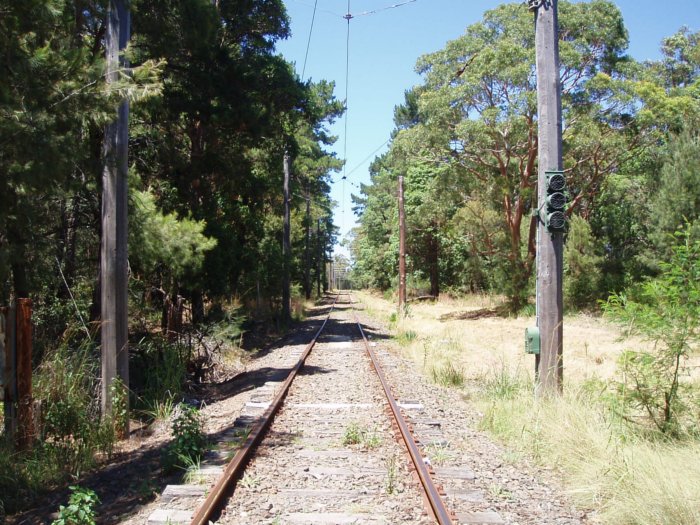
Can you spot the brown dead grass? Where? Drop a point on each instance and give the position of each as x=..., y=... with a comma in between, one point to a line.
x=470, y=334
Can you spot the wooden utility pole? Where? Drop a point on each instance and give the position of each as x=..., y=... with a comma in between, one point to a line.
x=286, y=244
x=319, y=261
x=402, y=249
x=330, y=273
x=114, y=278
x=549, y=363
x=307, y=254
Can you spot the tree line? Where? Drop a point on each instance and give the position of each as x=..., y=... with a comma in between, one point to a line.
x=214, y=109
x=465, y=140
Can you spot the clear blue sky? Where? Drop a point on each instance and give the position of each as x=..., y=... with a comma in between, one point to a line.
x=384, y=47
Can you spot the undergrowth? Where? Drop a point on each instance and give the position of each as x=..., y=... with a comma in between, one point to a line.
x=627, y=447
x=71, y=435
x=607, y=464
x=188, y=445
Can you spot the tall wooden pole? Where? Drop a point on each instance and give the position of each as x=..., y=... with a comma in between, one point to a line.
x=286, y=244
x=114, y=315
x=549, y=363
x=307, y=253
x=402, y=249
x=319, y=261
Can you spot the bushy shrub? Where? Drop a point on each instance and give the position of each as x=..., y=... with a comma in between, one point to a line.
x=581, y=265
x=667, y=313
x=188, y=444
x=80, y=509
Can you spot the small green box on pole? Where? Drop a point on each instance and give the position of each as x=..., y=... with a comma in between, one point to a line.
x=532, y=340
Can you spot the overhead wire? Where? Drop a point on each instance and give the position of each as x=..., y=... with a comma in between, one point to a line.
x=364, y=13
x=348, y=17
x=308, y=42
x=379, y=10
x=362, y=162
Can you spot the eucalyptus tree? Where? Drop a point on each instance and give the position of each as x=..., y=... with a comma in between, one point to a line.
x=478, y=113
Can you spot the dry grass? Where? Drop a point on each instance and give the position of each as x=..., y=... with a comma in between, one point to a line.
x=478, y=346
x=604, y=463
x=606, y=467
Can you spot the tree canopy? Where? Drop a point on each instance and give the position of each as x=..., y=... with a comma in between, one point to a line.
x=466, y=141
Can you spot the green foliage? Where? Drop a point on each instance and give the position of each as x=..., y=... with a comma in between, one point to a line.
x=447, y=374
x=356, y=434
x=406, y=337
x=581, y=265
x=120, y=406
x=159, y=369
x=667, y=313
x=72, y=430
x=80, y=509
x=466, y=143
x=158, y=240
x=504, y=384
x=677, y=196
x=188, y=444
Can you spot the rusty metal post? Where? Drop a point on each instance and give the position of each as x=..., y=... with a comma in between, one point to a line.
x=25, y=412
x=3, y=331
x=10, y=383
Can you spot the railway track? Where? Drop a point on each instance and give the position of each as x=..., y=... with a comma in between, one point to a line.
x=328, y=444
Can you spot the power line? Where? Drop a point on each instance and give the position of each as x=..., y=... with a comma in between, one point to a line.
x=364, y=13
x=394, y=6
x=308, y=42
x=362, y=162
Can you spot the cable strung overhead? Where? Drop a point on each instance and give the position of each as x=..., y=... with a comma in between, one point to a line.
x=364, y=13
x=308, y=42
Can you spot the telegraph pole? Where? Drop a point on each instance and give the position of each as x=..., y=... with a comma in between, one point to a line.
x=402, y=249
x=307, y=253
x=113, y=256
x=286, y=244
x=549, y=362
x=319, y=260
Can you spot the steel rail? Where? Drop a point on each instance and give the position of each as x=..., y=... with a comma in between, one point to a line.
x=235, y=467
x=437, y=505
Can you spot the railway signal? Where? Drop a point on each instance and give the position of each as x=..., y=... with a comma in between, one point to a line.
x=551, y=186
x=555, y=217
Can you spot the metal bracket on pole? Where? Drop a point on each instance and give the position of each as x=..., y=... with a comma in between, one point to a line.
x=533, y=5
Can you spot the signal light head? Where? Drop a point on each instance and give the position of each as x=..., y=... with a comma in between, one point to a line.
x=556, y=221
x=556, y=201
x=555, y=181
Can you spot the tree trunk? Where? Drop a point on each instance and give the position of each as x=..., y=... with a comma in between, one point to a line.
x=197, y=300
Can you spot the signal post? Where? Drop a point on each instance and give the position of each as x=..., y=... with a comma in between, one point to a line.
x=551, y=201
